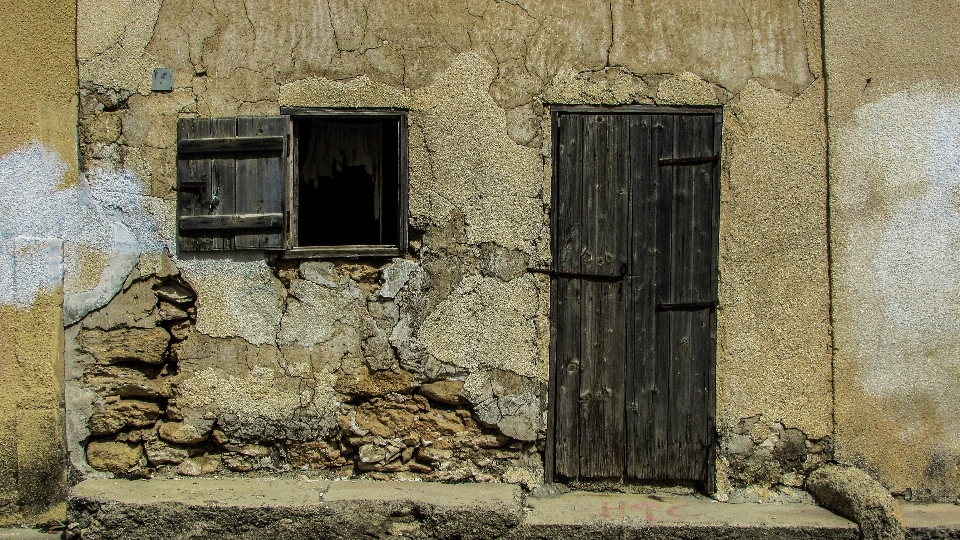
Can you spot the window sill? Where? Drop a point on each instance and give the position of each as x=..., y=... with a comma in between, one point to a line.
x=341, y=252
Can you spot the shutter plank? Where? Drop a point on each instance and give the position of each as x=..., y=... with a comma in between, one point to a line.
x=567, y=333
x=188, y=184
x=201, y=177
x=213, y=145
x=261, y=180
x=222, y=184
x=232, y=221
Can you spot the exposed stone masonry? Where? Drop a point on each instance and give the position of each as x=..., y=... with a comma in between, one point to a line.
x=762, y=460
x=161, y=408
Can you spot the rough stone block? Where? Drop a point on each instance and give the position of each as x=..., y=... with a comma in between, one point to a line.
x=123, y=413
x=126, y=344
x=115, y=457
x=855, y=495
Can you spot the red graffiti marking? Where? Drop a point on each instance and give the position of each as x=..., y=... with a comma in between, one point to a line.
x=647, y=507
x=672, y=511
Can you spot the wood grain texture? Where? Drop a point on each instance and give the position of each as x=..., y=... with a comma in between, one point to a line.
x=213, y=145
x=231, y=221
x=648, y=199
x=261, y=180
x=569, y=201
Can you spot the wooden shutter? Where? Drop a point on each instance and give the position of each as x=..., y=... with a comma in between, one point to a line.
x=231, y=176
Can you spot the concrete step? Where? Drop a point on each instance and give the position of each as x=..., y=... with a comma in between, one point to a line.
x=931, y=521
x=26, y=534
x=300, y=509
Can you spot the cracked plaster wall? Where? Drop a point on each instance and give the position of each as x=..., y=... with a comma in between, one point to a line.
x=476, y=77
x=894, y=95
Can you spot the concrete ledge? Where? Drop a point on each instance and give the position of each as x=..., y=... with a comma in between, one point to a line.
x=295, y=509
x=931, y=521
x=289, y=509
x=581, y=515
x=26, y=534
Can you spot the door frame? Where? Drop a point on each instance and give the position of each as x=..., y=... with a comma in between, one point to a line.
x=555, y=110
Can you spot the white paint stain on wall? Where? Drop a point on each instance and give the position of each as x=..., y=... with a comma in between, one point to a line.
x=898, y=203
x=48, y=231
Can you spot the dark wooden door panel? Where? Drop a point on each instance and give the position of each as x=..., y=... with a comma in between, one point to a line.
x=636, y=196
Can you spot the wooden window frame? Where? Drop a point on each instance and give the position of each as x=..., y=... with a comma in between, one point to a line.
x=294, y=251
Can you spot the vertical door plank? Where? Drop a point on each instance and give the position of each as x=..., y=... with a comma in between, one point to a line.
x=613, y=306
x=594, y=142
x=664, y=462
x=684, y=375
x=601, y=382
x=702, y=329
x=260, y=180
x=710, y=428
x=641, y=387
x=567, y=309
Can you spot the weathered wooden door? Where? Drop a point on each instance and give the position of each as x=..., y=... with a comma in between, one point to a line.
x=635, y=217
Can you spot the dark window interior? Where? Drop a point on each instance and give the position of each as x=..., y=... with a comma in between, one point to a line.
x=348, y=181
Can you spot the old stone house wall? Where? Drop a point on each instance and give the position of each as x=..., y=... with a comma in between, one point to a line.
x=894, y=95
x=434, y=365
x=244, y=364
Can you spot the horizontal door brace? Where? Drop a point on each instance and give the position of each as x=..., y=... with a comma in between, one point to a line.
x=689, y=160
x=595, y=277
x=686, y=305
x=265, y=143
x=231, y=221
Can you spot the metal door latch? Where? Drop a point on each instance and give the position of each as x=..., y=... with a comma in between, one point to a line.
x=581, y=275
x=686, y=305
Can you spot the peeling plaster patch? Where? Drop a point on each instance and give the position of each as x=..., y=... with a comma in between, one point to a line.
x=686, y=89
x=396, y=275
x=260, y=405
x=37, y=268
x=107, y=213
x=613, y=86
x=237, y=295
x=112, y=38
x=318, y=313
x=900, y=208
x=486, y=322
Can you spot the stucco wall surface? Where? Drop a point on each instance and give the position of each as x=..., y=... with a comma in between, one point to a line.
x=38, y=158
x=894, y=95
x=264, y=355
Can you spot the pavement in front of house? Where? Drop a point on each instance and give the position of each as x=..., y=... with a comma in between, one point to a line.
x=293, y=508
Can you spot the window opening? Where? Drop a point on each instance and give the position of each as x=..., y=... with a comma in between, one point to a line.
x=348, y=181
